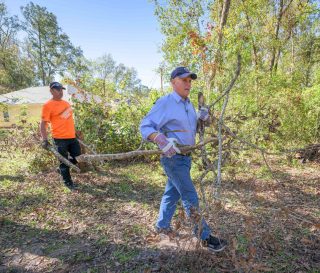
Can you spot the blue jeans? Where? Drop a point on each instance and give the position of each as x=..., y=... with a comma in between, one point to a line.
x=179, y=185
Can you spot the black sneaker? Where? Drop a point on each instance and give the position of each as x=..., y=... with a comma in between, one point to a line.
x=70, y=185
x=214, y=244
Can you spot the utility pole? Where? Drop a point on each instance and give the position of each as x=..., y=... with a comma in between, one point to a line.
x=161, y=71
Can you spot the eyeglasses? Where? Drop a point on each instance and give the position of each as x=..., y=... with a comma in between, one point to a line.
x=60, y=90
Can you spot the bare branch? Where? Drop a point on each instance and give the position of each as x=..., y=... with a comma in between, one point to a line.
x=220, y=124
x=128, y=155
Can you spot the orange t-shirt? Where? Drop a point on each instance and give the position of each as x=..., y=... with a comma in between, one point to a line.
x=59, y=114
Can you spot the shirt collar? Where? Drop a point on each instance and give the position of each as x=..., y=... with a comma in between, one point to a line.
x=177, y=97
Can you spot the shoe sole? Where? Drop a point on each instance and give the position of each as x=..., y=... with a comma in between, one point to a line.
x=216, y=250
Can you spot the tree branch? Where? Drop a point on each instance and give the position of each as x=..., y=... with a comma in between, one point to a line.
x=128, y=155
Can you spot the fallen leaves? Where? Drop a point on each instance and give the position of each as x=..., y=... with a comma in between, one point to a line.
x=119, y=210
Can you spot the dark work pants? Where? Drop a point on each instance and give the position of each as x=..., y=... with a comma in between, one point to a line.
x=66, y=147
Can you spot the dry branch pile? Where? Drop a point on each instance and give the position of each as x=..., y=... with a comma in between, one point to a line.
x=309, y=153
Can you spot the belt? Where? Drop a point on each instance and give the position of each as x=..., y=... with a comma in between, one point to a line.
x=186, y=154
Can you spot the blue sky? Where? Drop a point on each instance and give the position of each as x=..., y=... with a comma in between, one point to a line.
x=127, y=29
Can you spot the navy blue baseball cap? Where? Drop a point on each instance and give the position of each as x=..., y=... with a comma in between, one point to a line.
x=182, y=72
x=56, y=85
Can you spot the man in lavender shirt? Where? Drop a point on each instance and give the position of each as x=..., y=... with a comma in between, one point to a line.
x=173, y=120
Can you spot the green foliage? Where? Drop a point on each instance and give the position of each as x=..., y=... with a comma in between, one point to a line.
x=274, y=102
x=16, y=69
x=48, y=52
x=23, y=114
x=123, y=255
x=311, y=104
x=114, y=128
x=49, y=47
x=41, y=161
x=29, y=157
x=104, y=77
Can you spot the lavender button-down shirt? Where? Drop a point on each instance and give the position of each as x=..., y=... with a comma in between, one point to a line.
x=171, y=113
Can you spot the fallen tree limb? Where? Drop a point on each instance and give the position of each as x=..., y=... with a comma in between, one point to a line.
x=128, y=155
x=62, y=159
x=52, y=149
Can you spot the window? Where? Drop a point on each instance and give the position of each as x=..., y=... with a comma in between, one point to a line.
x=6, y=117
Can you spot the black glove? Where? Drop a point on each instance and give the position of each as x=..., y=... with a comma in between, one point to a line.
x=45, y=144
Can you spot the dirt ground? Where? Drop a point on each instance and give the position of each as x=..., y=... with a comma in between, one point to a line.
x=106, y=225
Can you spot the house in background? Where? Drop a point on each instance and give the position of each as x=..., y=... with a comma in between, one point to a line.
x=25, y=105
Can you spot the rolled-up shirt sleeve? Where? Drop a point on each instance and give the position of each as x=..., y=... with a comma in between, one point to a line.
x=155, y=119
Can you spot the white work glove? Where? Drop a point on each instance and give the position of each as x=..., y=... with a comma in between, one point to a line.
x=203, y=113
x=166, y=145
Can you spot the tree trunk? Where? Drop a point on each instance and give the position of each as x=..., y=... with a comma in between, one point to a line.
x=218, y=55
x=309, y=64
x=276, y=36
x=276, y=49
x=43, y=75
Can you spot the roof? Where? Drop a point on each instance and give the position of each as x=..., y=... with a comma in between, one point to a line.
x=39, y=94
x=42, y=94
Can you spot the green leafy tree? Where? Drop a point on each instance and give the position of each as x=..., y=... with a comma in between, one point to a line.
x=109, y=79
x=103, y=70
x=49, y=47
x=279, y=44
x=126, y=79
x=16, y=69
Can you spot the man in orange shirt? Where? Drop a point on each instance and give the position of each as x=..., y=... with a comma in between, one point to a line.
x=58, y=113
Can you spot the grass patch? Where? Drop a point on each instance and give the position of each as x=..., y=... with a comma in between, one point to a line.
x=82, y=257
x=52, y=247
x=123, y=255
x=103, y=240
x=7, y=184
